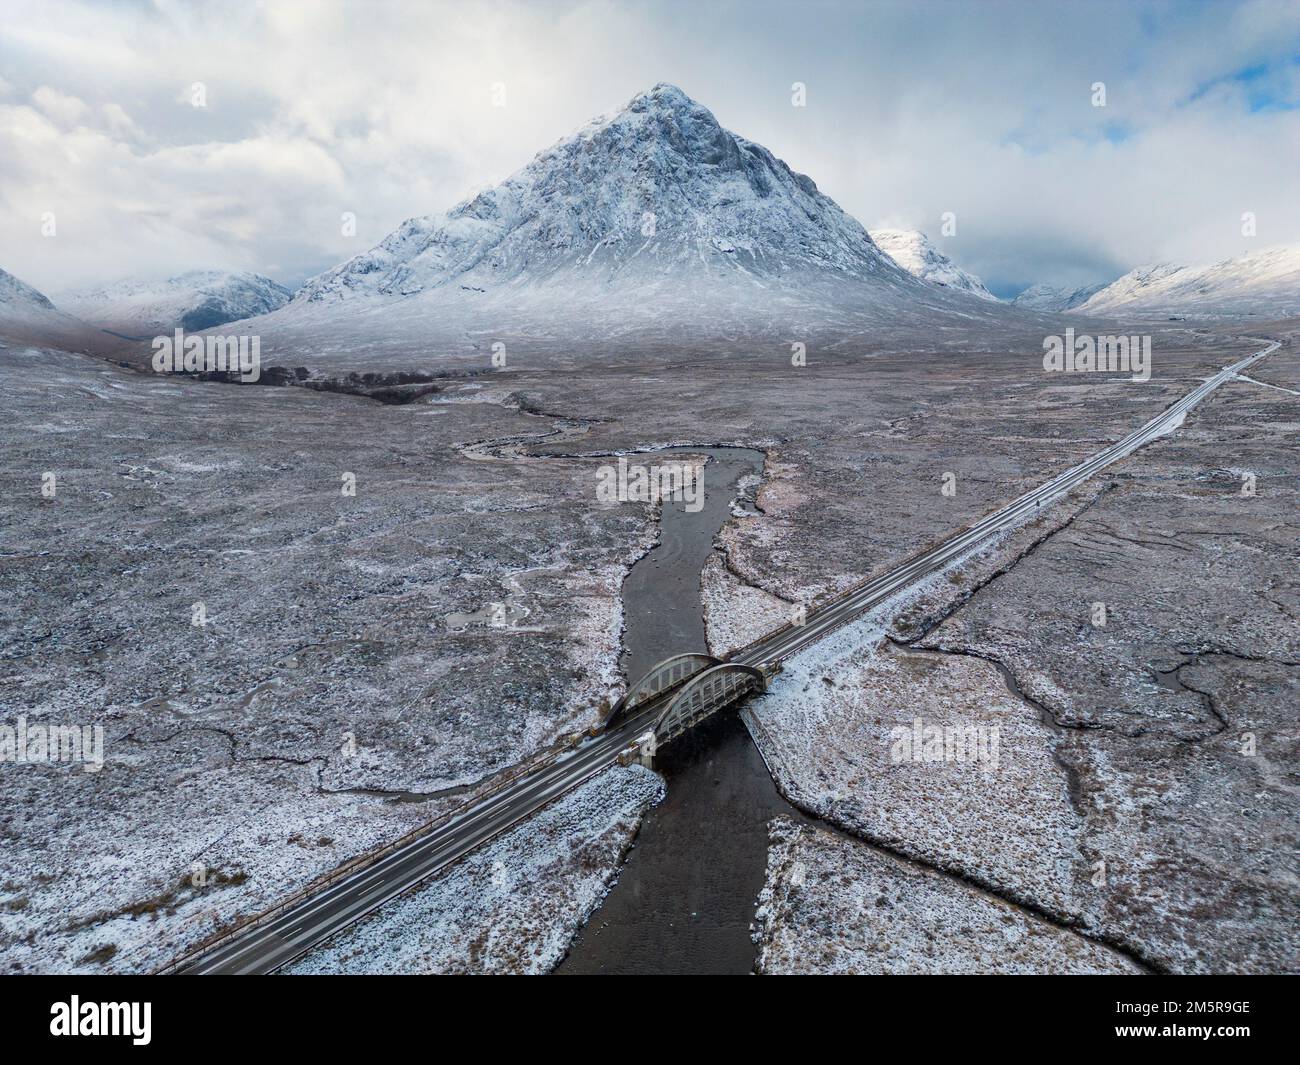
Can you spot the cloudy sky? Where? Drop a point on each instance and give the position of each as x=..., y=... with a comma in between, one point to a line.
x=387, y=110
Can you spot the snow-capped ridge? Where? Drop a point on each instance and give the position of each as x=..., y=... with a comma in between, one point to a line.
x=197, y=299
x=916, y=253
x=17, y=296
x=1137, y=284
x=1260, y=282
x=28, y=316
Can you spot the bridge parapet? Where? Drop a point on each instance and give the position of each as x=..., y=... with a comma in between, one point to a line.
x=667, y=674
x=706, y=693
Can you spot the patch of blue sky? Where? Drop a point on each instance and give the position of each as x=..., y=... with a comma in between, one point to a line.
x=1262, y=86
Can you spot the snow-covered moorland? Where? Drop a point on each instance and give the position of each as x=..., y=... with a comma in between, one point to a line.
x=513, y=905
x=834, y=906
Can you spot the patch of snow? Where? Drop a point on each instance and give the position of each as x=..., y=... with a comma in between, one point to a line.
x=736, y=614
x=1172, y=426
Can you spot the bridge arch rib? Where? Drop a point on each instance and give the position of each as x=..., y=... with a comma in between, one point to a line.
x=666, y=674
x=706, y=692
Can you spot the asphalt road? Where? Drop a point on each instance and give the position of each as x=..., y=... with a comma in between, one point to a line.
x=265, y=947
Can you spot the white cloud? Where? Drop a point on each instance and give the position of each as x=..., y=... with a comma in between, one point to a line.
x=119, y=123
x=62, y=108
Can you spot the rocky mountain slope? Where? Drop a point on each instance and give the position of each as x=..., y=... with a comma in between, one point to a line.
x=915, y=253
x=19, y=298
x=28, y=317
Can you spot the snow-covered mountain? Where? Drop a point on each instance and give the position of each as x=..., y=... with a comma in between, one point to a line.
x=914, y=252
x=652, y=222
x=28, y=317
x=199, y=299
x=18, y=297
x=1265, y=282
x=1051, y=298
x=652, y=191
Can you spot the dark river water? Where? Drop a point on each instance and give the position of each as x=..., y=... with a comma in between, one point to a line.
x=661, y=594
x=685, y=898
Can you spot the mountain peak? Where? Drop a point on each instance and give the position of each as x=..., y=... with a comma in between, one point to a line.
x=658, y=190
x=669, y=114
x=662, y=94
x=664, y=126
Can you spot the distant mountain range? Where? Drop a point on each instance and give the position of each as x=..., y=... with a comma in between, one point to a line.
x=1265, y=282
x=1053, y=298
x=1259, y=283
x=653, y=222
x=199, y=299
